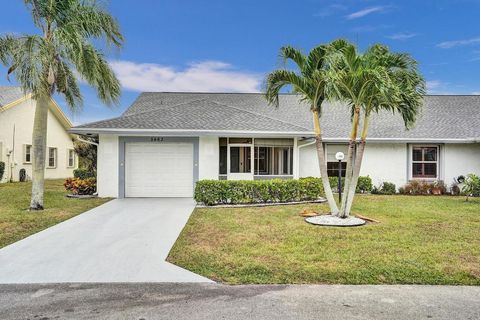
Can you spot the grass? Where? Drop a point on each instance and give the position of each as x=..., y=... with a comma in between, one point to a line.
x=16, y=222
x=419, y=240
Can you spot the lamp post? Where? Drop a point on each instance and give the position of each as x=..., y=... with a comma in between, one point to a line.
x=339, y=156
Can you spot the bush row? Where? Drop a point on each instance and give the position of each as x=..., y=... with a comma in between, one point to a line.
x=364, y=184
x=2, y=169
x=212, y=192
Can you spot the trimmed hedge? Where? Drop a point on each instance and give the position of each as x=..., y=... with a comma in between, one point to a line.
x=212, y=192
x=83, y=174
x=364, y=184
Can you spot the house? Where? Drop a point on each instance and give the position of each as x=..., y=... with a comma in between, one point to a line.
x=165, y=142
x=17, y=112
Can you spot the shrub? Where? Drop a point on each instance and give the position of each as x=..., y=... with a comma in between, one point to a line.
x=386, y=188
x=2, y=169
x=83, y=174
x=79, y=186
x=471, y=186
x=212, y=192
x=364, y=184
x=420, y=187
x=334, y=183
x=455, y=189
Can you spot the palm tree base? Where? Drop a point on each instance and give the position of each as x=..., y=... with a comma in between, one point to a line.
x=335, y=221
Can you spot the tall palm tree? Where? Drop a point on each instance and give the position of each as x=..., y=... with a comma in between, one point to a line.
x=309, y=83
x=370, y=82
x=50, y=62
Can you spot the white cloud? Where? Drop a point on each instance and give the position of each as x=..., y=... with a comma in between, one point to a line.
x=432, y=85
x=401, y=36
x=206, y=76
x=456, y=43
x=365, y=12
x=330, y=10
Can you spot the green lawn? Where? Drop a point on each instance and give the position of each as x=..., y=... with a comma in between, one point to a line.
x=16, y=222
x=421, y=240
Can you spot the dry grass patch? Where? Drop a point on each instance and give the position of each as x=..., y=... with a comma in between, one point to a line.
x=427, y=240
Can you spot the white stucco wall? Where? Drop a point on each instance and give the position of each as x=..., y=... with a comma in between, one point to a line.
x=208, y=155
x=460, y=159
x=21, y=116
x=374, y=163
x=107, y=166
x=385, y=163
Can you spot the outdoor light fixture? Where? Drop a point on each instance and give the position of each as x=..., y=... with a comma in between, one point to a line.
x=339, y=156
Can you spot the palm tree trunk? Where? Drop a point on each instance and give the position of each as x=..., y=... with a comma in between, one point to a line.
x=350, y=161
x=322, y=164
x=358, y=165
x=39, y=144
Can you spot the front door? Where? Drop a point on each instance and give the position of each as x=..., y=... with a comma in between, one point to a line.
x=240, y=162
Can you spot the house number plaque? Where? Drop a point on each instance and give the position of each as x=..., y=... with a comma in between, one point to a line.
x=156, y=139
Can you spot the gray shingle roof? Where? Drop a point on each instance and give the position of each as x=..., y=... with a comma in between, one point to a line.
x=442, y=117
x=10, y=94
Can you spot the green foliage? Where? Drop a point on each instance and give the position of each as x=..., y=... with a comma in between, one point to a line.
x=387, y=188
x=63, y=52
x=334, y=183
x=83, y=174
x=471, y=186
x=78, y=186
x=212, y=192
x=2, y=169
x=364, y=184
x=87, y=154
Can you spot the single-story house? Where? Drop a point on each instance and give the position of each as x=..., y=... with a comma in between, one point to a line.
x=17, y=112
x=165, y=142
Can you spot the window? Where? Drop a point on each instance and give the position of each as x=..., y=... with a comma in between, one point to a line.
x=425, y=162
x=240, y=159
x=52, y=157
x=71, y=158
x=332, y=162
x=27, y=153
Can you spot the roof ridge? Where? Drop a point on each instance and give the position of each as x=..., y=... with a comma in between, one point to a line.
x=259, y=114
x=157, y=109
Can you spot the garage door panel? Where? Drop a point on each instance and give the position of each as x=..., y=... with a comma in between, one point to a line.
x=159, y=170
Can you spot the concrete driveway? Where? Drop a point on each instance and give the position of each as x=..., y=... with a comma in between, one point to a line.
x=124, y=240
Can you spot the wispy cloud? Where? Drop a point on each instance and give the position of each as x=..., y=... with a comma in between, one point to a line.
x=402, y=36
x=330, y=10
x=206, y=76
x=457, y=43
x=433, y=85
x=365, y=12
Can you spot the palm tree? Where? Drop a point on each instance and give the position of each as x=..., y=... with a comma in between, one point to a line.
x=50, y=62
x=370, y=82
x=309, y=83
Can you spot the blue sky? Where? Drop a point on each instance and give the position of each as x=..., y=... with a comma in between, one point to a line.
x=218, y=45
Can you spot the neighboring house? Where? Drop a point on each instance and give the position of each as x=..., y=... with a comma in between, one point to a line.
x=16, y=126
x=165, y=142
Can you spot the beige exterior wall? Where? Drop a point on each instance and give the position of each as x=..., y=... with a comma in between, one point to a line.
x=21, y=117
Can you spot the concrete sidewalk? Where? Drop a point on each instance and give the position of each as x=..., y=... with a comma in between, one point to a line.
x=124, y=240
x=214, y=301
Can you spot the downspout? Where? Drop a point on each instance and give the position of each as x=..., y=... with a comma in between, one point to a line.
x=298, y=156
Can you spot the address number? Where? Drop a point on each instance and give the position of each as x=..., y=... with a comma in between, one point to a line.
x=156, y=139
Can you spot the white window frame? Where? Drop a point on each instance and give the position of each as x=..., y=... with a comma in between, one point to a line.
x=25, y=147
x=55, y=158
x=73, y=158
x=411, y=162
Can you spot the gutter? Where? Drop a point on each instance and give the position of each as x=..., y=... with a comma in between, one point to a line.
x=86, y=141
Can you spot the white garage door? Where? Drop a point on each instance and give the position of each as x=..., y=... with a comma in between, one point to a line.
x=159, y=170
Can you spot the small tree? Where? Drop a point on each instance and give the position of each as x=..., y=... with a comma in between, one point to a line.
x=50, y=62
x=309, y=83
x=87, y=153
x=370, y=82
